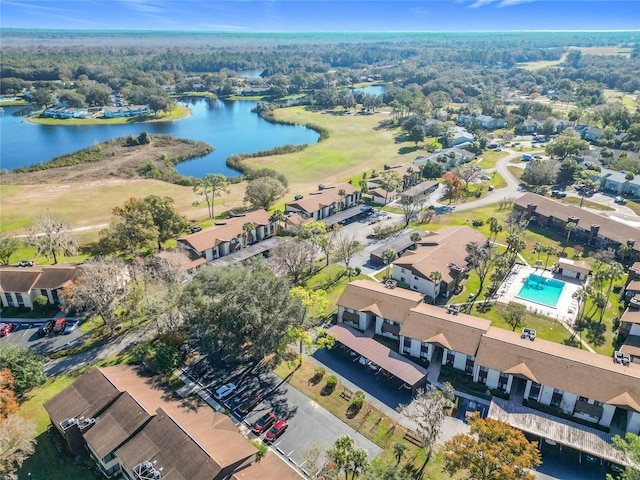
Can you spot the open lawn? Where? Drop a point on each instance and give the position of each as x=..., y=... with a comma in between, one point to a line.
x=585, y=203
x=533, y=66
x=489, y=158
x=87, y=206
x=332, y=280
x=357, y=144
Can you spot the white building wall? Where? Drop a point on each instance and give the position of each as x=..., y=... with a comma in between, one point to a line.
x=633, y=422
x=493, y=376
x=607, y=415
x=568, y=402
x=460, y=361
x=545, y=395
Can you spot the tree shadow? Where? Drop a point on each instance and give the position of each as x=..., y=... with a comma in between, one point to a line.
x=386, y=125
x=595, y=333
x=406, y=149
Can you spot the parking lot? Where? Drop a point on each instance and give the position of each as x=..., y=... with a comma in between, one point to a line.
x=309, y=424
x=26, y=335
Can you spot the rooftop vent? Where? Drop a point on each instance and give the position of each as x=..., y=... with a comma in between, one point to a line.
x=299, y=197
x=86, y=423
x=321, y=187
x=147, y=471
x=68, y=423
x=622, y=358
x=391, y=283
x=529, y=333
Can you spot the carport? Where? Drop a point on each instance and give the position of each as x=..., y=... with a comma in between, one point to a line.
x=345, y=215
x=388, y=360
x=563, y=432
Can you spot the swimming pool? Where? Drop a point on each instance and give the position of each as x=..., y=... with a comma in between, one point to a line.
x=541, y=290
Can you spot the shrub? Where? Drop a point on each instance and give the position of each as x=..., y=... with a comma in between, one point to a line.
x=356, y=404
x=477, y=222
x=320, y=371
x=40, y=302
x=330, y=385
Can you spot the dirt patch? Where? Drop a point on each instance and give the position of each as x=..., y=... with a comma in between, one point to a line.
x=114, y=159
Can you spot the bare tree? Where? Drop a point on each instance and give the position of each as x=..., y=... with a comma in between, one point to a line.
x=17, y=443
x=346, y=247
x=516, y=222
x=427, y=411
x=292, y=258
x=410, y=208
x=101, y=289
x=51, y=236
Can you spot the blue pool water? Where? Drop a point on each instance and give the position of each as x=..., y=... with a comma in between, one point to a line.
x=541, y=290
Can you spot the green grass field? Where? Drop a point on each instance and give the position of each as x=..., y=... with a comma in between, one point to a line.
x=356, y=144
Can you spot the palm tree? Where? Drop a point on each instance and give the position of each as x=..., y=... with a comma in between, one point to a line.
x=581, y=296
x=389, y=255
x=624, y=252
x=342, y=192
x=398, y=451
x=614, y=272
x=549, y=250
x=278, y=217
x=436, y=278
x=415, y=238
x=247, y=228
x=570, y=227
x=538, y=248
x=494, y=227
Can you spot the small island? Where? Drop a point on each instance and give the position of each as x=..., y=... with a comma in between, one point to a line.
x=144, y=156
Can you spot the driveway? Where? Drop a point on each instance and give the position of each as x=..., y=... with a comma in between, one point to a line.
x=25, y=335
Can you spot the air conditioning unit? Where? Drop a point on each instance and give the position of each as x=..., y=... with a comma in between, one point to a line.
x=622, y=358
x=529, y=333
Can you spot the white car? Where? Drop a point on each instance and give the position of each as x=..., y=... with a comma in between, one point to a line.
x=224, y=391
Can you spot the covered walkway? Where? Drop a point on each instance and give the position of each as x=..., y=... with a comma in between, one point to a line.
x=388, y=360
x=558, y=430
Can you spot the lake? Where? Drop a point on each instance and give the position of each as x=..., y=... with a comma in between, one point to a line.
x=371, y=89
x=229, y=126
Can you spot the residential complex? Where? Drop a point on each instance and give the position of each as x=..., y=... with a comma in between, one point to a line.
x=19, y=286
x=324, y=202
x=585, y=387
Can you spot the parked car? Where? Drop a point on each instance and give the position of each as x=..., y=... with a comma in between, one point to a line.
x=277, y=430
x=558, y=194
x=6, y=328
x=224, y=391
x=58, y=327
x=249, y=403
x=620, y=200
x=70, y=327
x=199, y=369
x=46, y=328
x=264, y=423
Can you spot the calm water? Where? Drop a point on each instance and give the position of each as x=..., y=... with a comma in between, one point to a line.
x=371, y=89
x=229, y=126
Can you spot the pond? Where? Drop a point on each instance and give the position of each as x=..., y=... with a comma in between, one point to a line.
x=230, y=126
x=371, y=89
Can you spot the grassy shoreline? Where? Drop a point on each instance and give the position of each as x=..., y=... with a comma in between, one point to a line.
x=177, y=113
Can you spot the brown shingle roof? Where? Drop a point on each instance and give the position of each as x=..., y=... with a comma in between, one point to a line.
x=58, y=276
x=168, y=447
x=633, y=286
x=616, y=231
x=579, y=266
x=560, y=366
x=437, y=252
x=16, y=279
x=213, y=431
x=321, y=198
x=392, y=303
x=225, y=230
x=86, y=397
x=426, y=322
x=630, y=316
x=115, y=425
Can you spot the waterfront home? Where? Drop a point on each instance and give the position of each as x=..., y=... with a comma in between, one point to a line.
x=324, y=202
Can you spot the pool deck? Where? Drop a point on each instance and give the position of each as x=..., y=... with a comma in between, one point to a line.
x=566, y=308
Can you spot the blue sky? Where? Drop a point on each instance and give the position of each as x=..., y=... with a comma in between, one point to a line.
x=327, y=15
